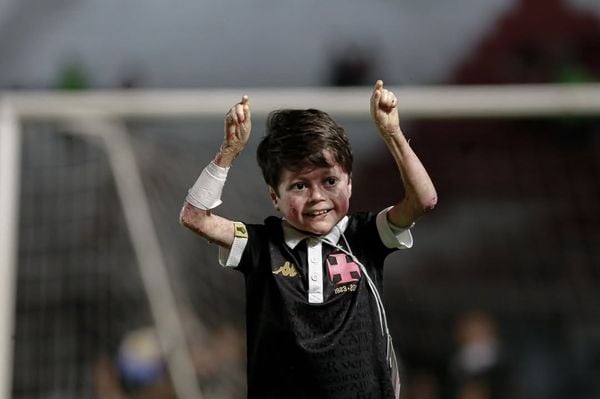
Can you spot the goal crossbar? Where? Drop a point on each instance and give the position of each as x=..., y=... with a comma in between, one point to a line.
x=506, y=101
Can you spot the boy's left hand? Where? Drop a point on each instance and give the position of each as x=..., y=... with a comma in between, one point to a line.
x=384, y=110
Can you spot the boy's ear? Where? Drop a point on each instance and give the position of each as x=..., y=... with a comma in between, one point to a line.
x=349, y=186
x=274, y=197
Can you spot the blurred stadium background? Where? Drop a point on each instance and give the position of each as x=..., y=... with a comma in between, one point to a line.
x=500, y=296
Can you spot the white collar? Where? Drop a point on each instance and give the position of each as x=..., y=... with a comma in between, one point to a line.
x=292, y=236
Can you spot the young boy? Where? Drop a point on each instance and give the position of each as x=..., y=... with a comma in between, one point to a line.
x=316, y=326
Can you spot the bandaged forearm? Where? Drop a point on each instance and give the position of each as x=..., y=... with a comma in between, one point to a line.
x=206, y=192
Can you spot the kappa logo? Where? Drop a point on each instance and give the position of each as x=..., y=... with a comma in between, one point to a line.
x=287, y=269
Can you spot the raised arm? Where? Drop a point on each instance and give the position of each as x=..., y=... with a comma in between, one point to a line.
x=420, y=195
x=205, y=195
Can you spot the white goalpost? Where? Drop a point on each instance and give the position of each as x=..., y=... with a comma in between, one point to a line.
x=415, y=102
x=101, y=115
x=10, y=151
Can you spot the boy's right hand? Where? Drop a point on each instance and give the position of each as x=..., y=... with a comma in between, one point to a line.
x=238, y=123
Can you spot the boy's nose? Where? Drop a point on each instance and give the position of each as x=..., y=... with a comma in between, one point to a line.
x=316, y=193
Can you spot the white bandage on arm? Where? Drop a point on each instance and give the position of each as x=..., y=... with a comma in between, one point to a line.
x=206, y=192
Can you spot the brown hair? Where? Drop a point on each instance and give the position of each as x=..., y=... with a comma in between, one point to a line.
x=296, y=139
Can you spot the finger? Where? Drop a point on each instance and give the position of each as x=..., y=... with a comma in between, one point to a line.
x=384, y=97
x=387, y=99
x=377, y=91
x=392, y=99
x=230, y=117
x=246, y=106
x=376, y=97
x=240, y=115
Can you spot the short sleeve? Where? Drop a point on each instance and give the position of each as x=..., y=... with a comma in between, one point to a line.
x=393, y=236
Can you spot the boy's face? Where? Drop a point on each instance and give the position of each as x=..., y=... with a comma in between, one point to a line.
x=314, y=200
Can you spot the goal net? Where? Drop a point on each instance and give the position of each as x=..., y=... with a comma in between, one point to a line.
x=104, y=292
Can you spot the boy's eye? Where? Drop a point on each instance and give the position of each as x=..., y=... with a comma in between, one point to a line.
x=299, y=186
x=331, y=181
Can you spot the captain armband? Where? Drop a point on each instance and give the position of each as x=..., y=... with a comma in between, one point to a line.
x=206, y=192
x=231, y=257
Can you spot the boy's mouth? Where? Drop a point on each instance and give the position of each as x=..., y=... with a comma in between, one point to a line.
x=317, y=213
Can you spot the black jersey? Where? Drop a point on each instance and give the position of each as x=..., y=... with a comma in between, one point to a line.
x=298, y=349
